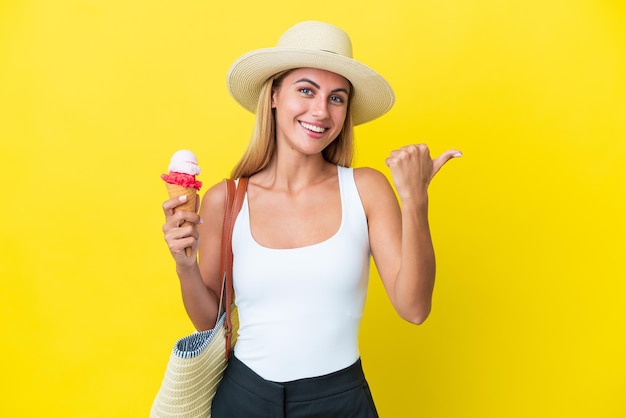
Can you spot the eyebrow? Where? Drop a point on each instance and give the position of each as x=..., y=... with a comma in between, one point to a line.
x=317, y=86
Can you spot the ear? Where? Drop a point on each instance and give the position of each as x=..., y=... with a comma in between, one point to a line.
x=274, y=92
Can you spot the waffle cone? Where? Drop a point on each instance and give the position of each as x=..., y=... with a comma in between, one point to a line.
x=175, y=190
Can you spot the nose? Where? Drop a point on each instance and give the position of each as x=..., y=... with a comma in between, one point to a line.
x=320, y=107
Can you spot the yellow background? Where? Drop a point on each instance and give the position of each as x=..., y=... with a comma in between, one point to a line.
x=529, y=228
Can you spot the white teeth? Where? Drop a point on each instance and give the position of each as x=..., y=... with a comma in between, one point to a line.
x=313, y=128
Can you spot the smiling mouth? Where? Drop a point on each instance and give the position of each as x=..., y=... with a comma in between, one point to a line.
x=313, y=128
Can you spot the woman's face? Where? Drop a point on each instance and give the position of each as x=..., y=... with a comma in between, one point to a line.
x=311, y=107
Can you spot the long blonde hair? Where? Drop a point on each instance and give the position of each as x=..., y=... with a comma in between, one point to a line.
x=262, y=145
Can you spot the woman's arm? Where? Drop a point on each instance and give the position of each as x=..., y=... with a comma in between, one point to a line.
x=400, y=238
x=200, y=281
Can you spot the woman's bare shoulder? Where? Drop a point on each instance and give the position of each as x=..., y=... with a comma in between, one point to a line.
x=374, y=189
x=214, y=198
x=370, y=180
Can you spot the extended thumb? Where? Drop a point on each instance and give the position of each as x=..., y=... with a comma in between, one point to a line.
x=444, y=158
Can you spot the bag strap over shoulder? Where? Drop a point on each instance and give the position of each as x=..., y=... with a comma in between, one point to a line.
x=234, y=201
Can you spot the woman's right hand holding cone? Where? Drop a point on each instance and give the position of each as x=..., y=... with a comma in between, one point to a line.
x=180, y=231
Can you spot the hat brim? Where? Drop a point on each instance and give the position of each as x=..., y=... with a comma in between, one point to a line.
x=372, y=96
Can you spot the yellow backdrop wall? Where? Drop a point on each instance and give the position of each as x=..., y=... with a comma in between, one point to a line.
x=528, y=317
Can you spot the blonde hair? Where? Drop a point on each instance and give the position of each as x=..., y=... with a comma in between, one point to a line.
x=262, y=145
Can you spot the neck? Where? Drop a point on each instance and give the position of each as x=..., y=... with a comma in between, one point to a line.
x=293, y=174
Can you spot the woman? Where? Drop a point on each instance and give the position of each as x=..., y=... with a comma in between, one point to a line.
x=303, y=238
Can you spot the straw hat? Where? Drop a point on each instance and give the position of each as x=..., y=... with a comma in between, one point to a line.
x=312, y=45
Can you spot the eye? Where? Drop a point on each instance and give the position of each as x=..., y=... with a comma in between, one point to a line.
x=305, y=90
x=336, y=99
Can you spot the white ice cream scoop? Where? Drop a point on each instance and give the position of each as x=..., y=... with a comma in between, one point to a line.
x=184, y=161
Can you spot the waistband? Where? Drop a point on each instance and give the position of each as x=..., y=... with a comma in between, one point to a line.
x=300, y=390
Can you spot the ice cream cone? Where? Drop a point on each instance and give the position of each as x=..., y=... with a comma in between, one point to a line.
x=175, y=190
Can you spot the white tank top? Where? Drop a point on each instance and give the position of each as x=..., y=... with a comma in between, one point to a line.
x=300, y=309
